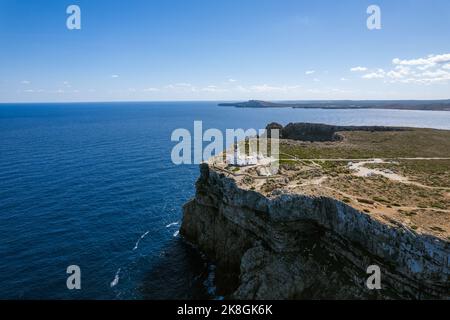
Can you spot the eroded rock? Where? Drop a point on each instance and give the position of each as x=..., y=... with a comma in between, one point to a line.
x=294, y=246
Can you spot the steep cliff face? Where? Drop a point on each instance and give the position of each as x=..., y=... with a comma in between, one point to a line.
x=293, y=246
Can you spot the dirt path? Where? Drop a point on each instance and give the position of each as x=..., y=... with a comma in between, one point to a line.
x=360, y=170
x=358, y=166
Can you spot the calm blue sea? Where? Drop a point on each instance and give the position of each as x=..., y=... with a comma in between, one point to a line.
x=93, y=185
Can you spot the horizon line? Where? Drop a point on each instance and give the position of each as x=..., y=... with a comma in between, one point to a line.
x=187, y=100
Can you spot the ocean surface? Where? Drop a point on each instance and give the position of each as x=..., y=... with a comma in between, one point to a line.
x=93, y=185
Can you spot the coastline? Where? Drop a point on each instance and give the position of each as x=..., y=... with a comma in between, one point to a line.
x=418, y=105
x=303, y=243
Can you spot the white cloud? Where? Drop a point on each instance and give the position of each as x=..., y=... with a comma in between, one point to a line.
x=181, y=86
x=242, y=89
x=399, y=72
x=151, y=89
x=232, y=80
x=213, y=88
x=25, y=82
x=114, y=76
x=377, y=74
x=435, y=74
x=337, y=90
x=270, y=88
x=34, y=91
x=423, y=67
x=425, y=70
x=210, y=88
x=310, y=72
x=344, y=79
x=429, y=60
x=358, y=69
x=266, y=88
x=294, y=87
x=316, y=80
x=373, y=75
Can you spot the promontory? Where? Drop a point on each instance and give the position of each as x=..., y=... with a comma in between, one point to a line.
x=344, y=200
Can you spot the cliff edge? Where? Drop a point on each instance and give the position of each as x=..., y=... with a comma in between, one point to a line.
x=284, y=238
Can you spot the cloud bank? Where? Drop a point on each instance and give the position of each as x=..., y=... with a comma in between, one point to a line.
x=426, y=70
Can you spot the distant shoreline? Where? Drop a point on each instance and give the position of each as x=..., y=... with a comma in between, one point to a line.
x=422, y=105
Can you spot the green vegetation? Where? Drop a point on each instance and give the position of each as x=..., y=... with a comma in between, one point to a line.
x=366, y=145
x=433, y=173
x=409, y=186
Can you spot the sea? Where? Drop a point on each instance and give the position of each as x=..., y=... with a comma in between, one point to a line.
x=93, y=185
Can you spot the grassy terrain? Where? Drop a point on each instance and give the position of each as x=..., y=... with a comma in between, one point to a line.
x=434, y=173
x=386, y=192
x=415, y=192
x=408, y=187
x=365, y=145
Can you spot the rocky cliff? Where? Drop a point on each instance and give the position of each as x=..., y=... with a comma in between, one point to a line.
x=293, y=246
x=321, y=132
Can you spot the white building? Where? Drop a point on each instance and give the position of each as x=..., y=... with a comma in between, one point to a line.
x=236, y=159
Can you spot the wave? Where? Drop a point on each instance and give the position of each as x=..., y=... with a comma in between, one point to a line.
x=139, y=240
x=172, y=224
x=116, y=279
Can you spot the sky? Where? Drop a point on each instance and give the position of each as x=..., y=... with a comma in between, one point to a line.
x=173, y=50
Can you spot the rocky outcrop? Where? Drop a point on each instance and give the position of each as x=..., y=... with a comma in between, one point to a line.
x=320, y=132
x=293, y=246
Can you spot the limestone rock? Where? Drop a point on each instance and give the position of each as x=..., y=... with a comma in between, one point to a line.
x=293, y=246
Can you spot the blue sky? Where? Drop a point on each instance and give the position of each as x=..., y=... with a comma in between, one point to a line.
x=223, y=50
